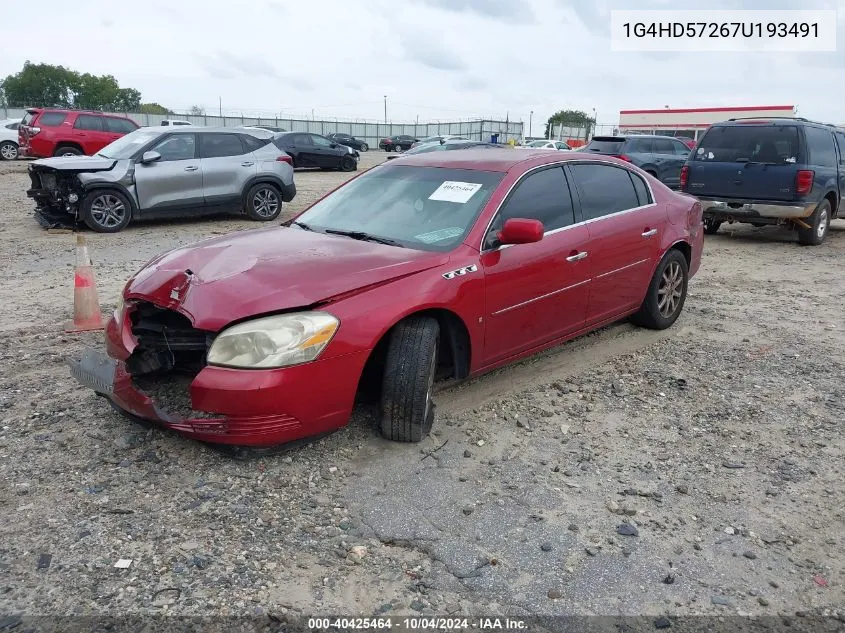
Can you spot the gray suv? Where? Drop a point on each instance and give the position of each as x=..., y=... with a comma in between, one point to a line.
x=661, y=156
x=164, y=173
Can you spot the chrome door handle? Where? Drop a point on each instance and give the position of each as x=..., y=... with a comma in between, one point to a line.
x=247, y=164
x=650, y=233
x=191, y=168
x=577, y=256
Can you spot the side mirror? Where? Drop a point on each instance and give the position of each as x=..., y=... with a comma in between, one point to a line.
x=150, y=157
x=521, y=231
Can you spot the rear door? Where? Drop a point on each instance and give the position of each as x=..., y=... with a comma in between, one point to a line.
x=822, y=159
x=227, y=165
x=324, y=154
x=117, y=127
x=173, y=183
x=89, y=130
x=755, y=161
x=301, y=144
x=625, y=227
x=669, y=155
x=535, y=292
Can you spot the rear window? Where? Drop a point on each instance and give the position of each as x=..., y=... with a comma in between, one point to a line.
x=119, y=126
x=605, y=145
x=775, y=144
x=52, y=119
x=28, y=118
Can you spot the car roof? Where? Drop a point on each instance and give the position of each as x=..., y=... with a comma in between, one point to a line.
x=772, y=121
x=502, y=160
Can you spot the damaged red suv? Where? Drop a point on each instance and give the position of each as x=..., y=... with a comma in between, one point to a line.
x=445, y=264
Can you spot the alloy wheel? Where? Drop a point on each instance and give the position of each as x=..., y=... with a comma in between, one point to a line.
x=8, y=151
x=670, y=290
x=108, y=210
x=822, y=228
x=265, y=202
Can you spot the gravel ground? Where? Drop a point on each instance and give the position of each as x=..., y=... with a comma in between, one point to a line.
x=693, y=471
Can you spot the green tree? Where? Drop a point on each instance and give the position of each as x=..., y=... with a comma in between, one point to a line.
x=127, y=100
x=570, y=118
x=152, y=108
x=41, y=85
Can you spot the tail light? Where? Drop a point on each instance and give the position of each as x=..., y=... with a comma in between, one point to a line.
x=804, y=181
x=622, y=157
x=32, y=130
x=684, y=176
x=284, y=158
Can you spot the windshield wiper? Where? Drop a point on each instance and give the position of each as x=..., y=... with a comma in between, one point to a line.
x=301, y=225
x=361, y=235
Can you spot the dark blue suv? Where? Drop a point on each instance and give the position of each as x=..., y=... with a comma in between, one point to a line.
x=788, y=171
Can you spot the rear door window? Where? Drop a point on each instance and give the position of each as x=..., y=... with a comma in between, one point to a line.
x=220, y=145
x=777, y=144
x=604, y=189
x=119, y=126
x=640, y=146
x=643, y=196
x=89, y=122
x=820, y=146
x=52, y=119
x=663, y=146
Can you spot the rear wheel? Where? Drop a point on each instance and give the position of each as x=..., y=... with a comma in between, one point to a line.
x=106, y=211
x=263, y=202
x=365, y=147
x=407, y=409
x=8, y=150
x=711, y=226
x=666, y=293
x=819, y=225
x=67, y=150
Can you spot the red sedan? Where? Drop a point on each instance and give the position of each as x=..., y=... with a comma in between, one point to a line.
x=446, y=264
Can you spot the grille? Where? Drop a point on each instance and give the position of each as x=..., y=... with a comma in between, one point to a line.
x=166, y=342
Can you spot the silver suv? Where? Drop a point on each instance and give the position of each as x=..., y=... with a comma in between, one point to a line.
x=164, y=173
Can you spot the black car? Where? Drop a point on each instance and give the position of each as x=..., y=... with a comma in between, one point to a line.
x=349, y=141
x=783, y=171
x=397, y=143
x=661, y=156
x=447, y=146
x=313, y=150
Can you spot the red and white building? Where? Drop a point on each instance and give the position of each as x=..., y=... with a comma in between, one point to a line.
x=692, y=122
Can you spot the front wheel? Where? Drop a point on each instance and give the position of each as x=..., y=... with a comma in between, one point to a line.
x=347, y=163
x=407, y=409
x=106, y=211
x=819, y=224
x=666, y=293
x=8, y=150
x=365, y=147
x=263, y=202
x=67, y=150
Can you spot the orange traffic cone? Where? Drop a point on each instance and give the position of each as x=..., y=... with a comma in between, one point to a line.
x=86, y=306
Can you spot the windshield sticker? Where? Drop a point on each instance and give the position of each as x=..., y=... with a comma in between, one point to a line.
x=439, y=236
x=453, y=191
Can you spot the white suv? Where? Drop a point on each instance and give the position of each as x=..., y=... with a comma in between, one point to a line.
x=9, y=139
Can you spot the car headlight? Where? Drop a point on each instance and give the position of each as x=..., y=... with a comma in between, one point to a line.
x=274, y=341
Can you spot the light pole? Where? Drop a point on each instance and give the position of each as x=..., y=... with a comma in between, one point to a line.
x=385, y=109
x=595, y=122
x=530, y=120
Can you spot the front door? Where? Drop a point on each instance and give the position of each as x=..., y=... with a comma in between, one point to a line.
x=625, y=227
x=174, y=182
x=670, y=156
x=535, y=292
x=324, y=154
x=226, y=168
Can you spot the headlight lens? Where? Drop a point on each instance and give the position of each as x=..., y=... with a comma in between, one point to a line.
x=275, y=341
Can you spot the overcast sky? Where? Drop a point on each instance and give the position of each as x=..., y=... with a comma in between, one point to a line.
x=436, y=59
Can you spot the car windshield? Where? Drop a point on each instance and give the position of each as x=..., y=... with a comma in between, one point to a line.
x=537, y=143
x=773, y=144
x=127, y=146
x=425, y=208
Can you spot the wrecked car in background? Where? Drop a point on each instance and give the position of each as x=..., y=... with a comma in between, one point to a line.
x=438, y=265
x=164, y=173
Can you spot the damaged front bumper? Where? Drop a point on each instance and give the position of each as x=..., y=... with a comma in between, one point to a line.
x=250, y=408
x=56, y=199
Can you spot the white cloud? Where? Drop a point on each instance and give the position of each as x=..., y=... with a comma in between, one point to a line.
x=436, y=59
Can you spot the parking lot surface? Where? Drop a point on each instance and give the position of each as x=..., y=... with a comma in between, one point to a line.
x=718, y=442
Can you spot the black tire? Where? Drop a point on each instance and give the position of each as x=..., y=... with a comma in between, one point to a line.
x=711, y=226
x=263, y=202
x=67, y=150
x=106, y=210
x=8, y=150
x=364, y=147
x=347, y=163
x=819, y=223
x=671, y=276
x=407, y=410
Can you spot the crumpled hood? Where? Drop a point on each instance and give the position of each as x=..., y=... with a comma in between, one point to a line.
x=75, y=163
x=266, y=270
